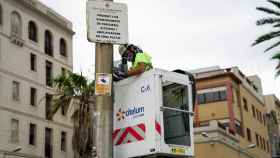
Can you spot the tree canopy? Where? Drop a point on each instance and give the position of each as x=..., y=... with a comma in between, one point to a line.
x=274, y=21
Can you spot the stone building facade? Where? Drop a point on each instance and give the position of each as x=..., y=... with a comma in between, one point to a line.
x=35, y=46
x=231, y=111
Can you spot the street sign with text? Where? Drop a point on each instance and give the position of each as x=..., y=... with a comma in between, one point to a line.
x=107, y=22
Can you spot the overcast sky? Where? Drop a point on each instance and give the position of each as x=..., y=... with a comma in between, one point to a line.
x=186, y=34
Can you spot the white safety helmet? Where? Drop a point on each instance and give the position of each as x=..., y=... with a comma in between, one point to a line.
x=122, y=49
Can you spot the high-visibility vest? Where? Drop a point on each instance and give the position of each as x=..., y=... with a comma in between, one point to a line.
x=143, y=58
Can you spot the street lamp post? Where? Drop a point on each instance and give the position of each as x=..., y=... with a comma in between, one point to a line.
x=13, y=151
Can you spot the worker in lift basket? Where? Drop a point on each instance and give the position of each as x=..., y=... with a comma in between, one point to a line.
x=141, y=61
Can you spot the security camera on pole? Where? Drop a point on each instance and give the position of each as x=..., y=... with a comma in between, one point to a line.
x=107, y=24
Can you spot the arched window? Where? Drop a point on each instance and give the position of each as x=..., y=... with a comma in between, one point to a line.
x=16, y=25
x=62, y=47
x=32, y=31
x=48, y=43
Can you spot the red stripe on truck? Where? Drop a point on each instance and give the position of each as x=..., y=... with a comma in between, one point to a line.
x=126, y=133
x=158, y=128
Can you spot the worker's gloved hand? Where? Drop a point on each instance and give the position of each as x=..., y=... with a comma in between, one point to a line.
x=123, y=74
x=118, y=74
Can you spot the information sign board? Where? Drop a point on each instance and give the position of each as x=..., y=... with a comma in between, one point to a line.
x=107, y=22
x=103, y=84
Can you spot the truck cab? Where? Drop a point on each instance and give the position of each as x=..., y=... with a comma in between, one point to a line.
x=153, y=115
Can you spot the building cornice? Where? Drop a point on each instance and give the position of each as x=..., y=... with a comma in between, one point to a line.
x=9, y=153
x=225, y=74
x=235, y=78
x=217, y=135
x=47, y=13
x=35, y=117
x=40, y=52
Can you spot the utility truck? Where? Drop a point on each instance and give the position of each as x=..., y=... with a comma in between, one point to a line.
x=153, y=115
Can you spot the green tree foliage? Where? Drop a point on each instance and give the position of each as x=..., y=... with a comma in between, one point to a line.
x=274, y=21
x=75, y=92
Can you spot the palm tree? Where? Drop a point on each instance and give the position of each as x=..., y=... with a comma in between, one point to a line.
x=277, y=57
x=274, y=21
x=76, y=92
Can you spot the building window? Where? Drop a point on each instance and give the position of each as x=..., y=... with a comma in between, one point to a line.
x=239, y=129
x=257, y=140
x=16, y=91
x=1, y=15
x=216, y=96
x=211, y=97
x=48, y=106
x=33, y=62
x=267, y=146
x=257, y=114
x=48, y=43
x=33, y=96
x=264, y=145
x=249, y=137
x=63, y=47
x=264, y=119
x=48, y=73
x=253, y=111
x=48, y=143
x=14, y=131
x=32, y=31
x=201, y=98
x=16, y=24
x=32, y=134
x=63, y=71
x=261, y=142
x=245, y=104
x=261, y=116
x=63, y=141
x=63, y=110
x=223, y=95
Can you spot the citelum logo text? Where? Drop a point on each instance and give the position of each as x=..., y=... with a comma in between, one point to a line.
x=133, y=112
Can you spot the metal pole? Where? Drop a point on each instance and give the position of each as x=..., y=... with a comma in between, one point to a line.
x=104, y=104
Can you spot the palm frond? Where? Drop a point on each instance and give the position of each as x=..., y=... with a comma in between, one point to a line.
x=275, y=22
x=273, y=46
x=59, y=102
x=266, y=37
x=76, y=88
x=269, y=11
x=268, y=21
x=276, y=56
x=277, y=73
x=91, y=89
x=276, y=25
x=277, y=4
x=278, y=66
